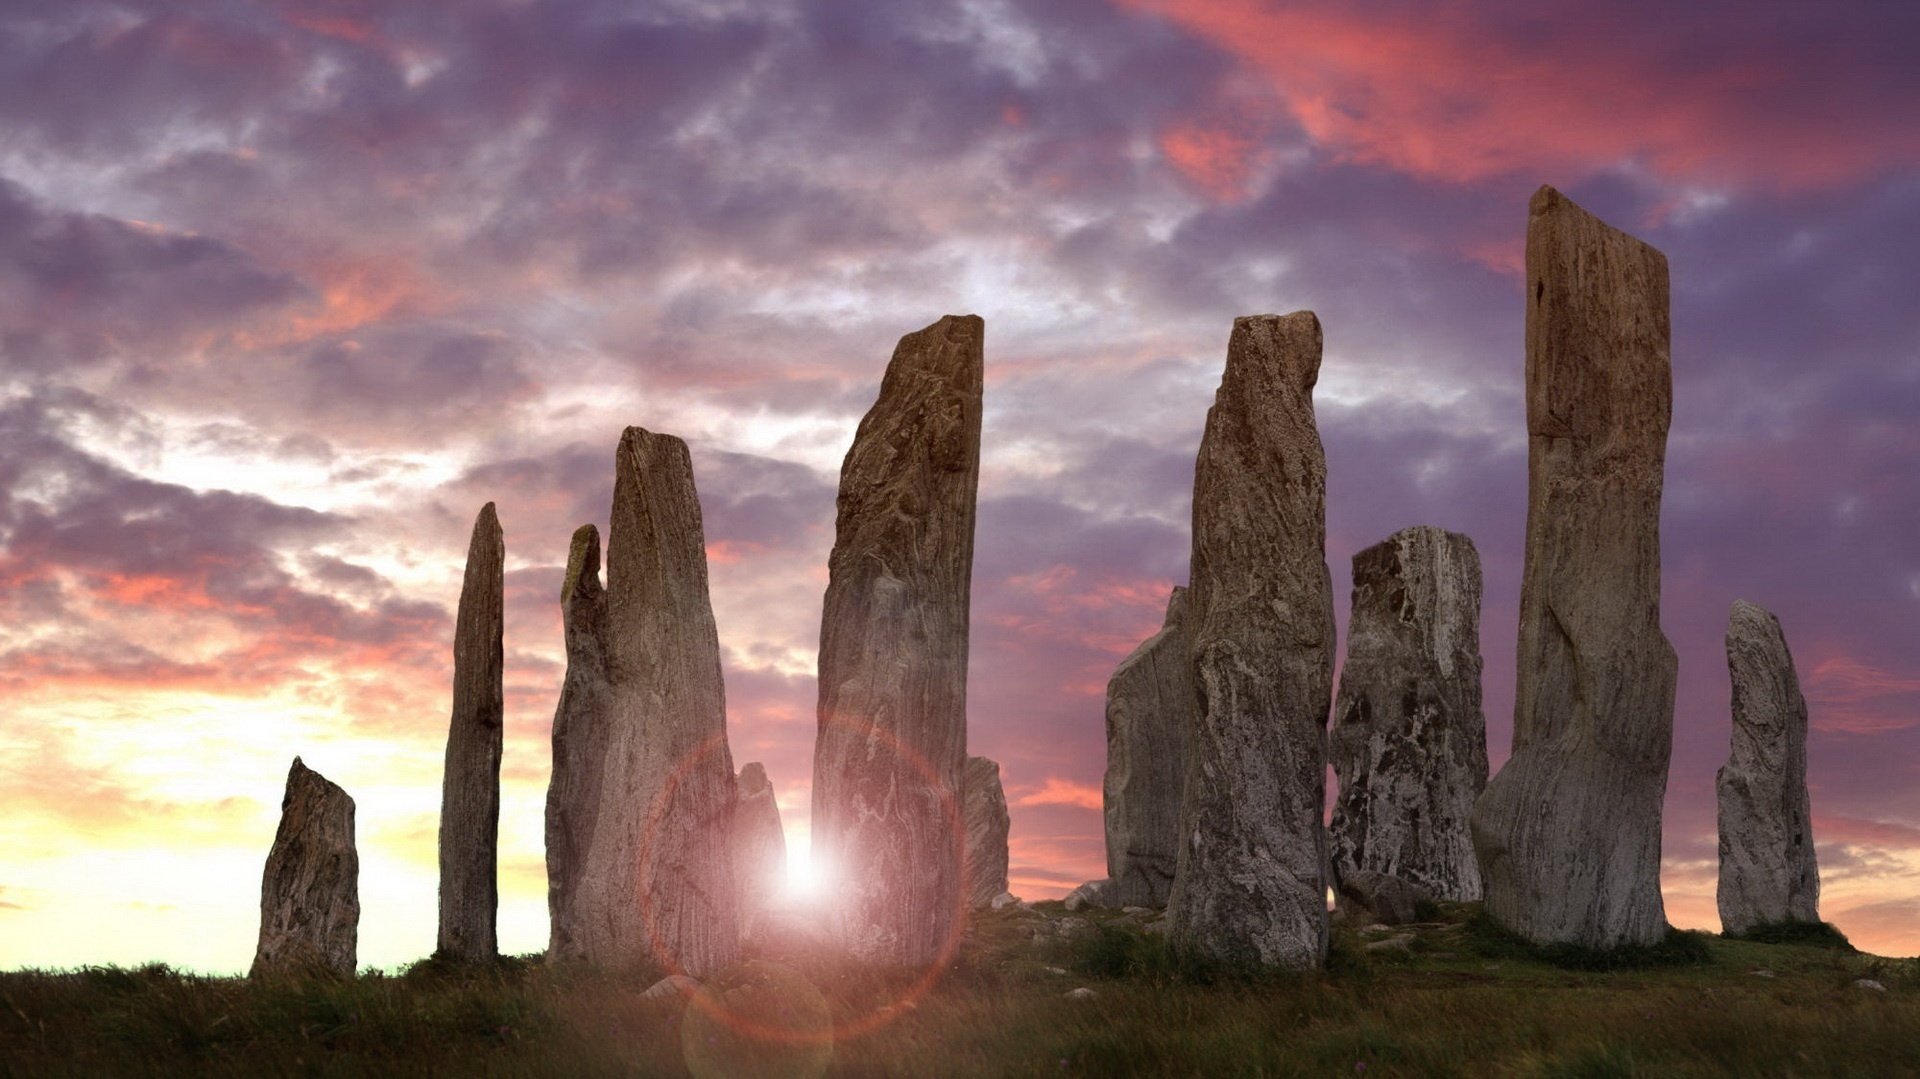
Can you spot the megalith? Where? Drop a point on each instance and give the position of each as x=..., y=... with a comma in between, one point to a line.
x=1568, y=833
x=1150, y=709
x=984, y=804
x=310, y=893
x=470, y=785
x=759, y=843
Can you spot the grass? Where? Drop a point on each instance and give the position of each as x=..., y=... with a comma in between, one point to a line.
x=1450, y=997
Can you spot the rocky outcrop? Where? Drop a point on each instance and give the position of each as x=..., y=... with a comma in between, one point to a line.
x=1150, y=703
x=987, y=823
x=310, y=894
x=759, y=843
x=1568, y=833
x=893, y=652
x=640, y=810
x=470, y=786
x=1251, y=883
x=1768, y=874
x=1409, y=742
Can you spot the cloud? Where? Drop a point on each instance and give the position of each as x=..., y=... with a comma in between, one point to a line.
x=1061, y=792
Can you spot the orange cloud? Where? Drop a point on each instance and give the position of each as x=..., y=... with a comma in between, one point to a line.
x=1063, y=792
x=1220, y=161
x=1848, y=695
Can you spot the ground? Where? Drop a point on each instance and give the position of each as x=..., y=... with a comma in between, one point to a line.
x=1449, y=997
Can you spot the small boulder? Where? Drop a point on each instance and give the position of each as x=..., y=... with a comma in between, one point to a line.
x=1094, y=893
x=1082, y=993
x=1004, y=900
x=1384, y=899
x=672, y=987
x=1870, y=985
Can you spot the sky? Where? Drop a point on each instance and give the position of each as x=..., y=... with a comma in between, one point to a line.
x=290, y=288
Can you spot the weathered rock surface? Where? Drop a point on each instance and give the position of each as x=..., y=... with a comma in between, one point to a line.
x=1251, y=883
x=470, y=786
x=1150, y=705
x=1768, y=874
x=310, y=894
x=1568, y=834
x=987, y=825
x=1094, y=893
x=1409, y=742
x=643, y=793
x=893, y=652
x=1368, y=897
x=759, y=843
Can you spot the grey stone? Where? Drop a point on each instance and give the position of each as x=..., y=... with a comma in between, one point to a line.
x=310, y=893
x=470, y=786
x=1869, y=984
x=893, y=652
x=1379, y=898
x=1568, y=833
x=671, y=987
x=759, y=843
x=987, y=824
x=1082, y=993
x=1251, y=884
x=1005, y=900
x=1409, y=742
x=1150, y=709
x=1768, y=874
x=643, y=792
x=1094, y=893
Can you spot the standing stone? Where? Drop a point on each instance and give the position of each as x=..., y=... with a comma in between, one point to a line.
x=1767, y=870
x=759, y=843
x=1150, y=709
x=1568, y=834
x=1251, y=883
x=470, y=788
x=893, y=652
x=310, y=895
x=987, y=826
x=1409, y=741
x=641, y=803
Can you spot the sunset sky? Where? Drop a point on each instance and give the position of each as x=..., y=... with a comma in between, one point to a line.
x=289, y=289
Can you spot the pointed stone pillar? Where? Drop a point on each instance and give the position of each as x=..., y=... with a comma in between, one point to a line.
x=470, y=787
x=759, y=843
x=581, y=725
x=987, y=825
x=310, y=893
x=1150, y=712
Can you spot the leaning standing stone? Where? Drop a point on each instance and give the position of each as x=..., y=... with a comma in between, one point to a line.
x=470, y=790
x=310, y=895
x=1150, y=702
x=759, y=843
x=893, y=652
x=1568, y=834
x=1409, y=742
x=987, y=824
x=1767, y=870
x=1251, y=884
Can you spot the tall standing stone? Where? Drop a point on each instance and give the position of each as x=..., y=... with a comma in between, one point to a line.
x=759, y=842
x=1768, y=874
x=1150, y=710
x=1568, y=834
x=470, y=787
x=1409, y=742
x=310, y=893
x=1251, y=883
x=643, y=793
x=987, y=825
x=893, y=652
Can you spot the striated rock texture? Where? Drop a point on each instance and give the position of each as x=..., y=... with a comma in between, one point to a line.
x=759, y=842
x=987, y=823
x=1767, y=870
x=1568, y=834
x=310, y=894
x=1150, y=703
x=1251, y=882
x=640, y=810
x=893, y=652
x=1409, y=742
x=470, y=787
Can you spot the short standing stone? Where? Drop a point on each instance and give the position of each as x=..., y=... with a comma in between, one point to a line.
x=1251, y=883
x=470, y=786
x=310, y=894
x=1568, y=833
x=987, y=825
x=1768, y=874
x=759, y=843
x=1409, y=742
x=1150, y=702
x=893, y=653
x=582, y=723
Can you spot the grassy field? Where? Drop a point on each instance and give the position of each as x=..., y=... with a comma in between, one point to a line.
x=1452, y=997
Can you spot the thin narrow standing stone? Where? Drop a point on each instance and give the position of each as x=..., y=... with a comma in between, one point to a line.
x=1251, y=883
x=1768, y=874
x=893, y=652
x=470, y=790
x=1150, y=710
x=1409, y=741
x=310, y=893
x=643, y=791
x=987, y=826
x=759, y=843
x=1568, y=834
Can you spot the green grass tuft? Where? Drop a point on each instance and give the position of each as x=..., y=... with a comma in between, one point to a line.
x=1808, y=934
